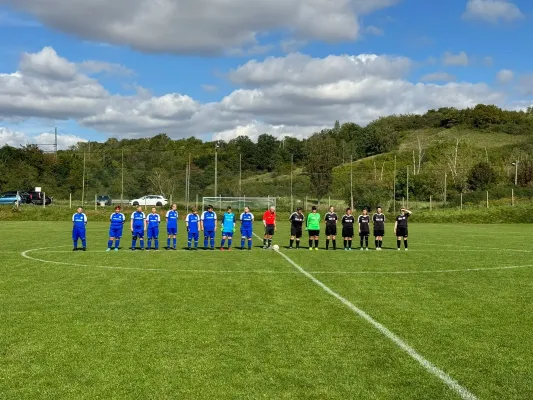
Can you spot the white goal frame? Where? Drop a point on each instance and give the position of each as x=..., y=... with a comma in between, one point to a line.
x=238, y=203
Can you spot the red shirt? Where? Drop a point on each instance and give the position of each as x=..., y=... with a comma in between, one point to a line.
x=269, y=218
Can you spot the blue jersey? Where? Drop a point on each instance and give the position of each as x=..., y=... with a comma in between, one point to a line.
x=153, y=220
x=193, y=221
x=228, y=222
x=138, y=219
x=209, y=218
x=172, y=219
x=117, y=220
x=79, y=220
x=247, y=220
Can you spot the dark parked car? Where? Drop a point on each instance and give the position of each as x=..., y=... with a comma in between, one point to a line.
x=104, y=199
x=37, y=198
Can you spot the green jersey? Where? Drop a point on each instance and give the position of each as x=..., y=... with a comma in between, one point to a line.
x=313, y=222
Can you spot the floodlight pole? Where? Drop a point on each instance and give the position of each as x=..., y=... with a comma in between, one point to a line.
x=515, y=172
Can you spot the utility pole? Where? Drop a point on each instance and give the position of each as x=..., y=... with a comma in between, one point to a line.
x=351, y=181
x=240, y=174
x=55, y=143
x=83, y=181
x=394, y=187
x=216, y=169
x=407, y=187
x=122, y=180
x=292, y=160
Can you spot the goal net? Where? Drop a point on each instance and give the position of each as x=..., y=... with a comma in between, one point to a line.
x=238, y=203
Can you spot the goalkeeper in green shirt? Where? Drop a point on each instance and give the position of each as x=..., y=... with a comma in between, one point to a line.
x=312, y=224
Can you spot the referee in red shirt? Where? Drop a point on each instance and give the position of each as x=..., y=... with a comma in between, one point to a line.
x=269, y=221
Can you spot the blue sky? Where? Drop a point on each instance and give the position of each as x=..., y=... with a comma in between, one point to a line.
x=218, y=73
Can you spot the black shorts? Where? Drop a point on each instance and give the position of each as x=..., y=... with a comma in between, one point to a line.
x=331, y=230
x=347, y=232
x=269, y=230
x=364, y=233
x=296, y=231
x=379, y=232
x=314, y=233
x=401, y=232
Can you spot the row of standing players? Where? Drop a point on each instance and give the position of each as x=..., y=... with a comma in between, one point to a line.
x=207, y=223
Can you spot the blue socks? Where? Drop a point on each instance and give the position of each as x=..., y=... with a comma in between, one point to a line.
x=141, y=242
x=109, y=244
x=242, y=243
x=76, y=244
x=117, y=243
x=222, y=242
x=168, y=242
x=175, y=242
x=84, y=243
x=205, y=242
x=229, y=243
x=250, y=244
x=149, y=244
x=156, y=243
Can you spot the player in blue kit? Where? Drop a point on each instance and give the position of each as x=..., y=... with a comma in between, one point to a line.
x=79, y=221
x=172, y=226
x=228, y=228
x=138, y=226
x=247, y=223
x=152, y=222
x=117, y=220
x=208, y=224
x=192, y=221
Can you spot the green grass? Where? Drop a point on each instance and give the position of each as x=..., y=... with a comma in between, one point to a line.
x=172, y=325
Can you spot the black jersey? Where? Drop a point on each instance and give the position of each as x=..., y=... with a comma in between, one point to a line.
x=297, y=219
x=331, y=219
x=402, y=220
x=364, y=223
x=348, y=221
x=379, y=222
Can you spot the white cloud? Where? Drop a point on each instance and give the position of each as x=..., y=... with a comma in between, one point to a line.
x=200, y=26
x=504, y=76
x=460, y=59
x=298, y=68
x=374, y=30
x=15, y=138
x=492, y=11
x=440, y=76
x=49, y=86
x=526, y=84
x=95, y=67
x=292, y=45
x=209, y=88
x=296, y=95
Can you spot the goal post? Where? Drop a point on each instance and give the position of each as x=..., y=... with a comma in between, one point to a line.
x=238, y=203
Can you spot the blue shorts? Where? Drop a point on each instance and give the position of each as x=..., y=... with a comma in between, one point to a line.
x=153, y=232
x=139, y=232
x=209, y=234
x=246, y=232
x=78, y=233
x=193, y=236
x=115, y=232
x=172, y=231
x=227, y=234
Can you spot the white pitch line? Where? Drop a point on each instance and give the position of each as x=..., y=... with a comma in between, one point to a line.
x=25, y=255
x=430, y=367
x=441, y=271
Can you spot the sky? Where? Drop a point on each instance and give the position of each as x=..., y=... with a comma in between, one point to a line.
x=219, y=69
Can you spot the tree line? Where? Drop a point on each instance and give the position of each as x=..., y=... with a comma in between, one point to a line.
x=160, y=165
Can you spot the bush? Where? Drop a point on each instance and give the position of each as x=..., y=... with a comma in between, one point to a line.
x=481, y=176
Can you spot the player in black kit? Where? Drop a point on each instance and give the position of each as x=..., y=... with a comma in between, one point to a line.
x=364, y=228
x=331, y=227
x=297, y=219
x=400, y=228
x=379, y=228
x=348, y=221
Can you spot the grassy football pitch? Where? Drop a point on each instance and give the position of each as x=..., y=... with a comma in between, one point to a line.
x=249, y=325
